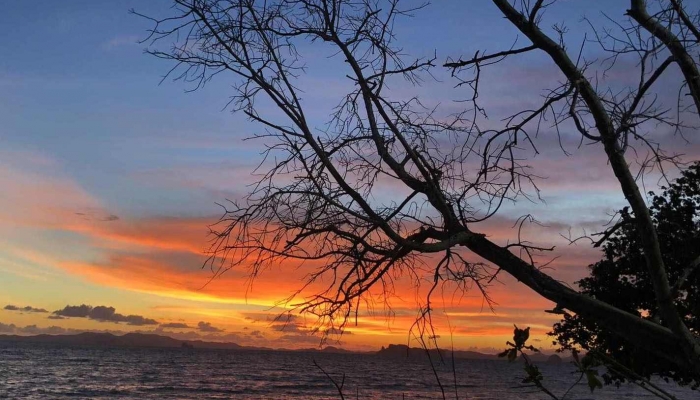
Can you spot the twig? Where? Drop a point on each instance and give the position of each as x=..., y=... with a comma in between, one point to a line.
x=338, y=387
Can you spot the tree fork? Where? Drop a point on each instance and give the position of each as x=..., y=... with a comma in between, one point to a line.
x=650, y=243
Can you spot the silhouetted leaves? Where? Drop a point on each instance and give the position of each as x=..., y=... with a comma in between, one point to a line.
x=512, y=354
x=621, y=280
x=593, y=381
x=533, y=374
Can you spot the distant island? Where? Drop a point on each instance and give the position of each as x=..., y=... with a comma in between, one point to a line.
x=136, y=340
x=400, y=350
x=98, y=339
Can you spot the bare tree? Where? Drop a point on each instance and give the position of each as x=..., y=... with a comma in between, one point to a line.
x=314, y=202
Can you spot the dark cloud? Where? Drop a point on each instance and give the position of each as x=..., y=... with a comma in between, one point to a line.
x=97, y=215
x=137, y=320
x=297, y=333
x=5, y=328
x=336, y=331
x=103, y=314
x=35, y=330
x=11, y=307
x=81, y=311
x=257, y=335
x=175, y=325
x=259, y=316
x=301, y=338
x=290, y=318
x=32, y=309
x=207, y=327
x=54, y=330
x=52, y=316
x=229, y=337
x=289, y=327
x=290, y=323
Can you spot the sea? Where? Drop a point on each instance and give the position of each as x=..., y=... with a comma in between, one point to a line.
x=31, y=371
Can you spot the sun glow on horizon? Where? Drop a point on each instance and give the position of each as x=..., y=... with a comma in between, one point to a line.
x=110, y=182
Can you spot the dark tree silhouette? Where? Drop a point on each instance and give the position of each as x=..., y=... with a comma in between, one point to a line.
x=618, y=280
x=316, y=201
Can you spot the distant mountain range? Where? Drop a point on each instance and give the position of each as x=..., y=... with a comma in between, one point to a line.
x=400, y=350
x=159, y=341
x=99, y=339
x=110, y=340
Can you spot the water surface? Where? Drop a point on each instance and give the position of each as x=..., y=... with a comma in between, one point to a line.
x=31, y=371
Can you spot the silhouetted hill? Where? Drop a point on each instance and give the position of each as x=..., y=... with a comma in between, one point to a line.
x=401, y=350
x=328, y=349
x=554, y=360
x=110, y=340
x=97, y=339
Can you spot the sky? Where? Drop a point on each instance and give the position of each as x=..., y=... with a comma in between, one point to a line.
x=110, y=175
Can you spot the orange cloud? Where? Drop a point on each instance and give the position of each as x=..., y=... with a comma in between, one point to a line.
x=163, y=256
x=176, y=234
x=140, y=273
x=35, y=194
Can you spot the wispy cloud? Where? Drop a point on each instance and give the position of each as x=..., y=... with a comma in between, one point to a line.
x=175, y=325
x=36, y=193
x=30, y=309
x=121, y=41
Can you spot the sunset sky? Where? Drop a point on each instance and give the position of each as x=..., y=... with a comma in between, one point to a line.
x=109, y=179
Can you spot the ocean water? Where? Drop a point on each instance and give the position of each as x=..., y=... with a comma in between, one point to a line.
x=52, y=372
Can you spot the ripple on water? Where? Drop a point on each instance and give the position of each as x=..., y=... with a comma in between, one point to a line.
x=51, y=372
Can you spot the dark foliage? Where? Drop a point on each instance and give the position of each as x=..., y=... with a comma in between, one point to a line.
x=314, y=201
x=621, y=280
